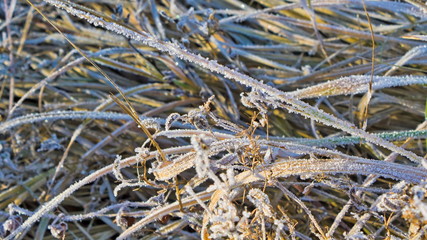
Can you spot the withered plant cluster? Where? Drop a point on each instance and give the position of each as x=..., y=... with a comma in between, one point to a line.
x=213, y=119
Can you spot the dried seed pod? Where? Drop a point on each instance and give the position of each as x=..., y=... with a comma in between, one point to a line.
x=197, y=118
x=171, y=119
x=12, y=223
x=391, y=202
x=151, y=124
x=58, y=230
x=261, y=201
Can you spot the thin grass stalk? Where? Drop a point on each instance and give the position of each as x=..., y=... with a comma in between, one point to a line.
x=296, y=105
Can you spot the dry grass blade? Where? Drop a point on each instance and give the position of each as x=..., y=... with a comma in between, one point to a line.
x=173, y=49
x=141, y=125
x=355, y=85
x=363, y=116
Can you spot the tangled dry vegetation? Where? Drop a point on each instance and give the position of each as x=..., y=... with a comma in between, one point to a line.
x=223, y=119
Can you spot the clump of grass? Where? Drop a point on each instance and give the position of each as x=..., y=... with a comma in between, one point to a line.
x=213, y=120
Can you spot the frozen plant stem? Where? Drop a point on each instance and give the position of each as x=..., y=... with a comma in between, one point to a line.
x=49, y=206
x=286, y=168
x=173, y=49
x=303, y=206
x=60, y=71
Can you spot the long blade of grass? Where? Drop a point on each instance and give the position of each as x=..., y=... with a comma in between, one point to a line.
x=296, y=105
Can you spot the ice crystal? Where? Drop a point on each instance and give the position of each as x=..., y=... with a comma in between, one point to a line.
x=391, y=202
x=261, y=201
x=50, y=144
x=224, y=220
